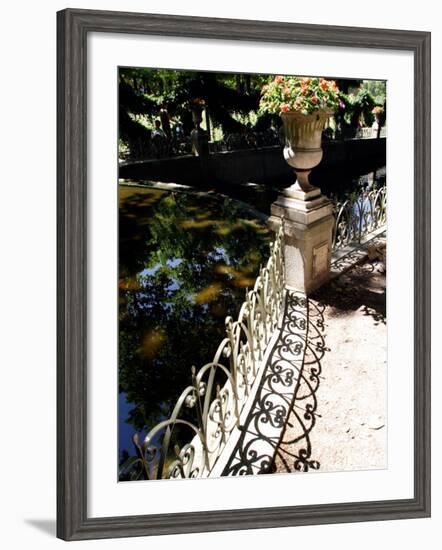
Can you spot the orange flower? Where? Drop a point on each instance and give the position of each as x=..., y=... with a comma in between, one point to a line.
x=279, y=79
x=284, y=107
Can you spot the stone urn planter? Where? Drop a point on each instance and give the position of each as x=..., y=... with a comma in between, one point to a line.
x=304, y=105
x=302, y=150
x=380, y=113
x=199, y=137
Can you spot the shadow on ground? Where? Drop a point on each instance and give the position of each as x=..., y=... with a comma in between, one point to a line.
x=363, y=287
x=352, y=382
x=47, y=526
x=295, y=452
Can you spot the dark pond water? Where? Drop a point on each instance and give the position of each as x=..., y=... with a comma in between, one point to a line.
x=185, y=262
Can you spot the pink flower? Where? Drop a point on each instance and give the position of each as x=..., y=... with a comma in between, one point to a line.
x=284, y=107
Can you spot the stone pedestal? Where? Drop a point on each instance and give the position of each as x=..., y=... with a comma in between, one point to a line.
x=308, y=228
x=200, y=142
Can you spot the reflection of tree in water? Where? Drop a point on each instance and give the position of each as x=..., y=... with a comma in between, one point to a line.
x=185, y=262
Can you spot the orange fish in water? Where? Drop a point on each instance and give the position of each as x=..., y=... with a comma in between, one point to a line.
x=152, y=342
x=207, y=294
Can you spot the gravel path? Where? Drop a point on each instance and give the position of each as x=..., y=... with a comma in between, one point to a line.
x=348, y=423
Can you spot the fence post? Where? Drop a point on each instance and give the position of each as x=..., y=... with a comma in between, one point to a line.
x=308, y=232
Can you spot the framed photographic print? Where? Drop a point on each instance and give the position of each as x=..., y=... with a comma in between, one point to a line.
x=236, y=348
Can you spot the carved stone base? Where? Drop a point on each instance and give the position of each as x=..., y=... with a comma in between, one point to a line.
x=302, y=211
x=308, y=228
x=295, y=192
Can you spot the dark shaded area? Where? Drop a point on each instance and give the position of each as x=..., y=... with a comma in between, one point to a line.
x=343, y=161
x=171, y=95
x=363, y=286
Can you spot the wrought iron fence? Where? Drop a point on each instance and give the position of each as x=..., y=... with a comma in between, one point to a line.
x=371, y=133
x=190, y=441
x=359, y=215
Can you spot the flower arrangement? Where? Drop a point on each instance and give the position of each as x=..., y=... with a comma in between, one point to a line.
x=378, y=110
x=301, y=94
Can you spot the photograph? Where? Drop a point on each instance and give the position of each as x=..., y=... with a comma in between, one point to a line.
x=252, y=260
x=217, y=300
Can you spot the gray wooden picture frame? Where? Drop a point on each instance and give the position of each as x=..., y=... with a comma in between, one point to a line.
x=73, y=27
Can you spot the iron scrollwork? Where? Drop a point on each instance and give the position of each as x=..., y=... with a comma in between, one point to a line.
x=358, y=216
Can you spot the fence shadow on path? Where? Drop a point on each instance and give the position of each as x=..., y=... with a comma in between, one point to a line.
x=294, y=451
x=285, y=407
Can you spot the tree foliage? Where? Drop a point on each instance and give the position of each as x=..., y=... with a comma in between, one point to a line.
x=145, y=91
x=229, y=99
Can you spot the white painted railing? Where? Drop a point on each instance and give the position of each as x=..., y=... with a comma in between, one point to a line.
x=358, y=216
x=370, y=133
